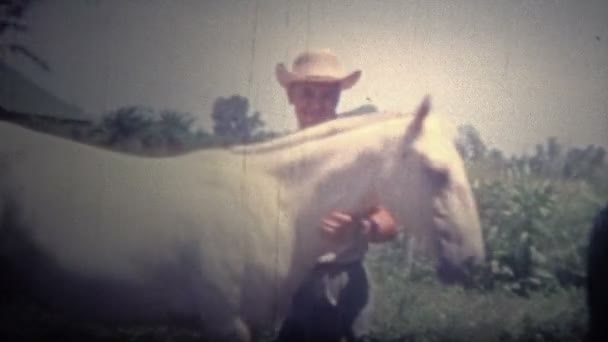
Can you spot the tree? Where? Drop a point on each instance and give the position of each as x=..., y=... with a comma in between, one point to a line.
x=12, y=13
x=176, y=129
x=583, y=163
x=125, y=127
x=231, y=121
x=469, y=143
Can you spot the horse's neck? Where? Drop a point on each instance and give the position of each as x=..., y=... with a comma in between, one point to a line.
x=335, y=167
x=315, y=178
x=339, y=177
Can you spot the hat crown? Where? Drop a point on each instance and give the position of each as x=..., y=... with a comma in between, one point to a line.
x=316, y=66
x=318, y=63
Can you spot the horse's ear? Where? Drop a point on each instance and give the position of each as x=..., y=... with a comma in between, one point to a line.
x=421, y=114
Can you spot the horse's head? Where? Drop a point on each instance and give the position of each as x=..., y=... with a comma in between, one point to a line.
x=425, y=186
x=410, y=165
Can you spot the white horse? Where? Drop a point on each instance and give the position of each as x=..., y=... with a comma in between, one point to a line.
x=225, y=236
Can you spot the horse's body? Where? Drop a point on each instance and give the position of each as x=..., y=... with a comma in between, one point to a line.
x=222, y=235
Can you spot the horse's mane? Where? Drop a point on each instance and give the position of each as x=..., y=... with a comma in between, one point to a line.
x=326, y=130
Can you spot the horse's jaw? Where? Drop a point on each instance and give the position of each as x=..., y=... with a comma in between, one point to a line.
x=445, y=225
x=458, y=228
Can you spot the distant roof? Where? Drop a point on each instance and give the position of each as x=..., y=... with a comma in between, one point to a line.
x=18, y=93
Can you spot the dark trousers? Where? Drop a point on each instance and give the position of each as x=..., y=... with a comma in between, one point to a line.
x=314, y=317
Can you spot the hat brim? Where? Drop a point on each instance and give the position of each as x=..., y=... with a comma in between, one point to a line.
x=286, y=77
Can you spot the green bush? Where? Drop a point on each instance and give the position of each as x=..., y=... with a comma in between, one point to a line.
x=535, y=230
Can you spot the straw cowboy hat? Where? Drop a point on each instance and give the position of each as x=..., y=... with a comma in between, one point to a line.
x=316, y=66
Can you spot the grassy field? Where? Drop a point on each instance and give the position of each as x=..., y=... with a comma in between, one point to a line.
x=424, y=310
x=404, y=310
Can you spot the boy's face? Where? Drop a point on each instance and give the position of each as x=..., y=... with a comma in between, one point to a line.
x=314, y=102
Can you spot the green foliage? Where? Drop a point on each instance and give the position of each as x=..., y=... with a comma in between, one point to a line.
x=535, y=237
x=517, y=230
x=552, y=160
x=536, y=211
x=143, y=131
x=469, y=143
x=125, y=127
x=536, y=220
x=232, y=122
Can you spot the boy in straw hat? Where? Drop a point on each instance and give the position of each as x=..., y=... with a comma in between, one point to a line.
x=313, y=87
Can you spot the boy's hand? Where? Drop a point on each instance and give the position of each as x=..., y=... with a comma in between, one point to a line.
x=381, y=225
x=337, y=225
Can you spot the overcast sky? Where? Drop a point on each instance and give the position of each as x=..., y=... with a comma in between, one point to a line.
x=519, y=71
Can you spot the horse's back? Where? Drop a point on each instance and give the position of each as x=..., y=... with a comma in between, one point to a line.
x=138, y=221
x=83, y=191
